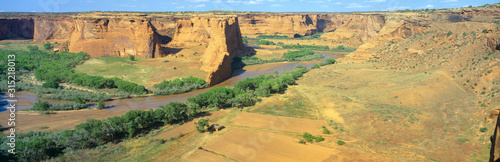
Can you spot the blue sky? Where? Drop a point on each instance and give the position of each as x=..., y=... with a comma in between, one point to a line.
x=231, y=5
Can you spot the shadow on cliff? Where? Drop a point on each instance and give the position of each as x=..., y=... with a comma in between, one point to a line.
x=237, y=64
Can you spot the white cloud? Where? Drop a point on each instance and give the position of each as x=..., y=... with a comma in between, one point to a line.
x=449, y=1
x=276, y=5
x=324, y=6
x=233, y=1
x=174, y=3
x=376, y=1
x=180, y=7
x=198, y=6
x=356, y=5
x=252, y=2
x=429, y=6
x=338, y=3
x=197, y=0
x=217, y=1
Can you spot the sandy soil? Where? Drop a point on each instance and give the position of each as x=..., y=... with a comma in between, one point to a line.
x=189, y=127
x=31, y=121
x=291, y=124
x=244, y=145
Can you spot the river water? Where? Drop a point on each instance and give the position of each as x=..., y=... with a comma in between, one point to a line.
x=27, y=99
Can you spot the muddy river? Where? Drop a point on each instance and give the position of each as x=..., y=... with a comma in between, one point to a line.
x=27, y=99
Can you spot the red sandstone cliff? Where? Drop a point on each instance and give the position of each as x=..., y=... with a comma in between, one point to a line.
x=223, y=37
x=101, y=36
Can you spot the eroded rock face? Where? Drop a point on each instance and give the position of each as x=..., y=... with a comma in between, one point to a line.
x=101, y=36
x=281, y=24
x=115, y=37
x=223, y=37
x=16, y=29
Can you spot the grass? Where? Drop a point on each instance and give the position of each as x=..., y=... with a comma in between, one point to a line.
x=293, y=105
x=116, y=67
x=395, y=114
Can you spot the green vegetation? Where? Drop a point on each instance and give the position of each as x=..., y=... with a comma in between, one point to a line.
x=100, y=104
x=339, y=48
x=485, y=31
x=60, y=106
x=449, y=33
x=201, y=124
x=50, y=84
x=264, y=42
x=131, y=57
x=310, y=138
x=314, y=36
x=179, y=85
x=47, y=46
x=57, y=67
x=48, y=144
x=325, y=130
x=272, y=37
x=340, y=142
x=301, y=55
x=483, y=129
x=463, y=140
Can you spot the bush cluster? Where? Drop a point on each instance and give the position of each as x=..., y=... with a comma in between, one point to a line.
x=272, y=37
x=57, y=67
x=179, y=85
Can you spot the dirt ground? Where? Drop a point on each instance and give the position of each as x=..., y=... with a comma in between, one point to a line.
x=32, y=121
x=298, y=125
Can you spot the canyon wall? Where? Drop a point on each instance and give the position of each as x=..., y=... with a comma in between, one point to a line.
x=101, y=36
x=223, y=36
x=16, y=28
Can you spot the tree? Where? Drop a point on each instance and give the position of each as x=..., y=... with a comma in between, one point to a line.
x=100, y=105
x=50, y=84
x=200, y=125
x=131, y=57
x=47, y=46
x=325, y=131
x=79, y=100
x=41, y=106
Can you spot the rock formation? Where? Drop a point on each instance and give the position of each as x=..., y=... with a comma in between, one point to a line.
x=223, y=37
x=16, y=28
x=101, y=36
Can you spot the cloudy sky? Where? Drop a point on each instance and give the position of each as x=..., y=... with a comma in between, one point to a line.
x=231, y=5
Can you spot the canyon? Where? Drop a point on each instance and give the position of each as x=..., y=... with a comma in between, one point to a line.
x=151, y=35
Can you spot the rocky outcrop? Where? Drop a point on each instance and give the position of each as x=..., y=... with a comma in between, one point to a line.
x=223, y=36
x=114, y=37
x=281, y=24
x=16, y=29
x=101, y=36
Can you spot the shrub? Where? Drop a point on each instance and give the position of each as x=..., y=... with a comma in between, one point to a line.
x=449, y=33
x=50, y=84
x=179, y=85
x=131, y=57
x=340, y=142
x=302, y=141
x=264, y=42
x=308, y=137
x=485, y=31
x=201, y=124
x=463, y=140
x=40, y=106
x=272, y=37
x=484, y=129
x=47, y=46
x=326, y=131
x=319, y=138
x=100, y=105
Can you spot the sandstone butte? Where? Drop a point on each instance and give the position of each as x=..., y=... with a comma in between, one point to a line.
x=146, y=35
